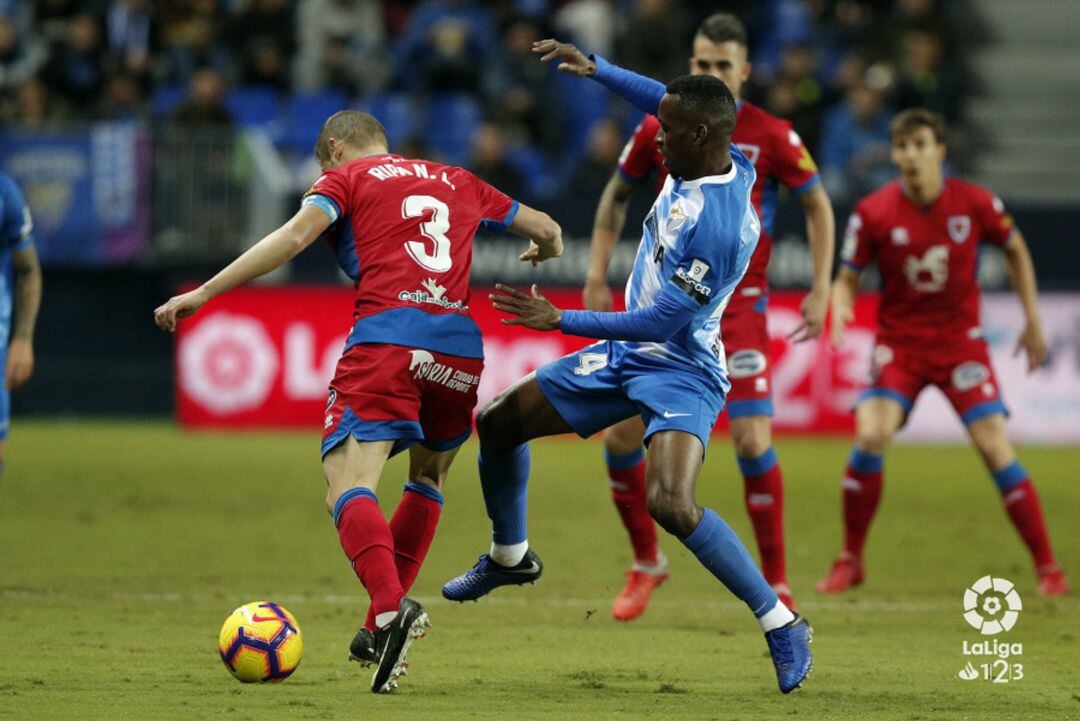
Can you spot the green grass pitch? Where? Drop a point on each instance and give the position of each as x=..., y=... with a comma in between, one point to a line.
x=123, y=547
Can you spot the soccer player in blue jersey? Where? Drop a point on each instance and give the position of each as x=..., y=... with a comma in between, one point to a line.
x=663, y=358
x=20, y=282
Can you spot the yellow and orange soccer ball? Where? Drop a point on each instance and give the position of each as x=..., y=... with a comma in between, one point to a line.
x=261, y=641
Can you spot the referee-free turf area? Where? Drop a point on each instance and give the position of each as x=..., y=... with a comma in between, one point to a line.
x=123, y=546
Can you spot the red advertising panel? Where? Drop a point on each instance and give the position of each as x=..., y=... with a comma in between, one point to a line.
x=263, y=357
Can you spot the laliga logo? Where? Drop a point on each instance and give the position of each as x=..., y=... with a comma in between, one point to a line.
x=228, y=364
x=992, y=605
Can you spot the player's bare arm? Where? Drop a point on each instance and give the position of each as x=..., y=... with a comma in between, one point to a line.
x=544, y=234
x=572, y=60
x=820, y=234
x=607, y=227
x=20, y=361
x=1022, y=274
x=844, y=289
x=273, y=251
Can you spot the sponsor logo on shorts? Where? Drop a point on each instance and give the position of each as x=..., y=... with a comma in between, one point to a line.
x=746, y=363
x=969, y=375
x=331, y=398
x=882, y=356
x=432, y=293
x=424, y=367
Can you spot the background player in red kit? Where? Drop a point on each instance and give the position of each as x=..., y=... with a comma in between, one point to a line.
x=924, y=231
x=402, y=230
x=779, y=156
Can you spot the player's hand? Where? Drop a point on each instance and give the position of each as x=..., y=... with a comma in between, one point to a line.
x=179, y=306
x=813, y=308
x=532, y=311
x=537, y=255
x=596, y=295
x=1032, y=342
x=20, y=362
x=841, y=318
x=573, y=60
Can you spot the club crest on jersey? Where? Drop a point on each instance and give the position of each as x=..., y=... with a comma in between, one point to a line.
x=676, y=218
x=900, y=236
x=959, y=228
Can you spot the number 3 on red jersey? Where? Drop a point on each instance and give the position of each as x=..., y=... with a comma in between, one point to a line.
x=435, y=229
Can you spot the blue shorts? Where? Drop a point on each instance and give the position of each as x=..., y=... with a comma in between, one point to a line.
x=591, y=395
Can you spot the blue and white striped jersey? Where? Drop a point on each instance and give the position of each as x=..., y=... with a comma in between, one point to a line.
x=699, y=236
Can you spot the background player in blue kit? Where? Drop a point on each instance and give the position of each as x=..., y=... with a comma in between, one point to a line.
x=20, y=285
x=663, y=358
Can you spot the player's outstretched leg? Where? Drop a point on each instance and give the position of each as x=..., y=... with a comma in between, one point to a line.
x=516, y=416
x=1020, y=499
x=876, y=421
x=625, y=459
x=763, y=487
x=675, y=459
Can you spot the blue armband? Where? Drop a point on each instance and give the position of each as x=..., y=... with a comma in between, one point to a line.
x=657, y=323
x=645, y=93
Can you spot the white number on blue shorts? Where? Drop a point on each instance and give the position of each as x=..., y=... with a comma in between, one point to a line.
x=589, y=363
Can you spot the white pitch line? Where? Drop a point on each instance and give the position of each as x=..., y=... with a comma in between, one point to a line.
x=331, y=599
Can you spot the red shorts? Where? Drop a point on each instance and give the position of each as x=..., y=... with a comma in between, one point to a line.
x=962, y=372
x=746, y=343
x=393, y=393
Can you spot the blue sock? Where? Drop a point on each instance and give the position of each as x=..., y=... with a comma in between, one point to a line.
x=504, y=476
x=721, y=551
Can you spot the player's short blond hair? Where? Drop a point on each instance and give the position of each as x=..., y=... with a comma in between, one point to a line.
x=355, y=127
x=908, y=121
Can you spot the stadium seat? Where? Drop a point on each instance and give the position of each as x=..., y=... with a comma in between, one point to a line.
x=452, y=119
x=254, y=105
x=395, y=111
x=304, y=115
x=535, y=169
x=584, y=104
x=166, y=99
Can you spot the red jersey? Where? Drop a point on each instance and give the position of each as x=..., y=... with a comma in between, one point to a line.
x=778, y=155
x=403, y=231
x=928, y=259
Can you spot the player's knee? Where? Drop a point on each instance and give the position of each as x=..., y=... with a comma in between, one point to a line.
x=496, y=427
x=874, y=439
x=750, y=442
x=622, y=439
x=675, y=512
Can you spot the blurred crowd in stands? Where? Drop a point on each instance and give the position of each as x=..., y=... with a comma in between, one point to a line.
x=456, y=79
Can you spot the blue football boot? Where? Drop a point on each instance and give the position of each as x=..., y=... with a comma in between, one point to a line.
x=789, y=646
x=486, y=576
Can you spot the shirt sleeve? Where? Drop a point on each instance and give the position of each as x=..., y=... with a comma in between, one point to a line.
x=329, y=194
x=657, y=323
x=644, y=93
x=16, y=226
x=636, y=161
x=497, y=209
x=858, y=248
x=795, y=168
x=706, y=254
x=990, y=213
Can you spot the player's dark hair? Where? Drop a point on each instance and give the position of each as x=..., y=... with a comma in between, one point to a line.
x=354, y=127
x=707, y=99
x=910, y=120
x=723, y=28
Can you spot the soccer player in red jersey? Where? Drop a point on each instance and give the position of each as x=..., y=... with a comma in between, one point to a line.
x=780, y=158
x=402, y=229
x=924, y=230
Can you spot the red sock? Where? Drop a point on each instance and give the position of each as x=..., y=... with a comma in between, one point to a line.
x=763, y=486
x=413, y=528
x=627, y=474
x=367, y=543
x=1022, y=504
x=862, y=491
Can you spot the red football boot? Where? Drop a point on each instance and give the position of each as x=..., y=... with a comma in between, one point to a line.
x=640, y=583
x=1052, y=582
x=846, y=572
